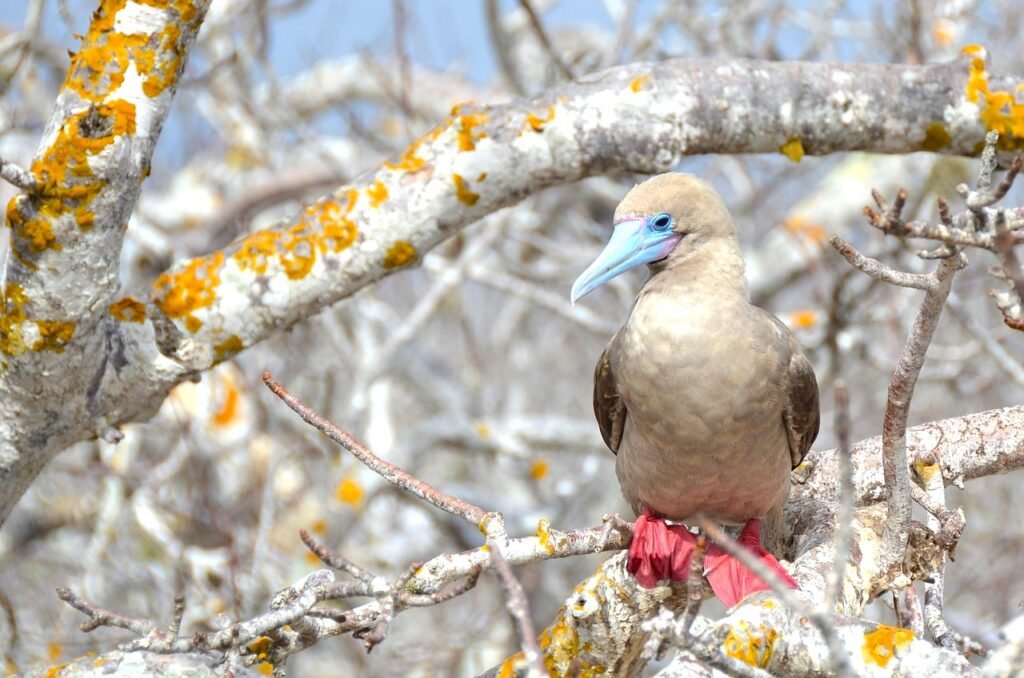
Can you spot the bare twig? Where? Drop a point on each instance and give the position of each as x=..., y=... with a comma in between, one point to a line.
x=331, y=559
x=18, y=176
x=99, y=617
x=545, y=40
x=490, y=523
x=910, y=615
x=947, y=525
x=519, y=608
x=879, y=271
x=179, y=613
x=695, y=585
x=847, y=496
x=936, y=286
x=501, y=43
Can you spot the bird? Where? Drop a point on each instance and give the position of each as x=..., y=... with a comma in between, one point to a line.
x=707, y=401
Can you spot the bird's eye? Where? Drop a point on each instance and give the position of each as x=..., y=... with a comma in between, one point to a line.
x=661, y=222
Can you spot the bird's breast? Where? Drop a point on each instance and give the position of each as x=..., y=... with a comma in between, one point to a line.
x=703, y=387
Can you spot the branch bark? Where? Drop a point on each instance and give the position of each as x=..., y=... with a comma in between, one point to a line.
x=118, y=360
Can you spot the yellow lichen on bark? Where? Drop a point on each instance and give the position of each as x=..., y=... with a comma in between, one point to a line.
x=324, y=227
x=1000, y=111
x=99, y=67
x=881, y=644
x=128, y=309
x=466, y=133
x=180, y=294
x=230, y=346
x=67, y=183
x=400, y=254
x=639, y=83
x=793, y=149
x=462, y=192
x=544, y=535
x=936, y=137
x=751, y=646
x=537, y=123
x=377, y=193
x=54, y=335
x=12, y=319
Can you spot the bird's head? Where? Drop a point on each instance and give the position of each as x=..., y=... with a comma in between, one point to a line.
x=660, y=221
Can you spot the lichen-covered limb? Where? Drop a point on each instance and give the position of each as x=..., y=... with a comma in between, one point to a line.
x=120, y=664
x=295, y=622
x=601, y=629
x=62, y=270
x=972, y=446
x=119, y=359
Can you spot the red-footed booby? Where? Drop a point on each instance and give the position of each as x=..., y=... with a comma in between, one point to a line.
x=707, y=401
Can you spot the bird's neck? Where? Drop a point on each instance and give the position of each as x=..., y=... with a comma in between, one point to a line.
x=715, y=270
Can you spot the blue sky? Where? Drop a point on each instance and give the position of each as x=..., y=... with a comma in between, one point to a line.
x=441, y=33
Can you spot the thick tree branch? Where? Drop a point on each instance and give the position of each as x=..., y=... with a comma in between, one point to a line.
x=57, y=325
x=641, y=117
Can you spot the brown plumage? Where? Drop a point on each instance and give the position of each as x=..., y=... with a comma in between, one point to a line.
x=707, y=401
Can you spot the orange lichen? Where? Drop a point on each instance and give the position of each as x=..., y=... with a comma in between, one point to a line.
x=39, y=234
x=53, y=335
x=377, y=194
x=793, y=149
x=942, y=32
x=192, y=287
x=128, y=309
x=99, y=67
x=1000, y=110
x=299, y=243
x=936, y=137
x=561, y=647
x=539, y=469
x=54, y=651
x=925, y=470
x=230, y=346
x=462, y=192
x=12, y=318
x=66, y=180
x=536, y=123
x=255, y=251
x=804, y=319
x=639, y=83
x=319, y=527
x=483, y=429
x=261, y=647
x=799, y=225
x=750, y=647
x=265, y=668
x=351, y=198
x=466, y=133
x=349, y=492
x=323, y=227
x=409, y=162
x=193, y=324
x=544, y=535
x=399, y=254
x=881, y=644
x=230, y=406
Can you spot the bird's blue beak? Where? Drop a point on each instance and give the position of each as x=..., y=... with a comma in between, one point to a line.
x=633, y=242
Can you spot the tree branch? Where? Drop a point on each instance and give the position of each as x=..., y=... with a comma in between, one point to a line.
x=640, y=117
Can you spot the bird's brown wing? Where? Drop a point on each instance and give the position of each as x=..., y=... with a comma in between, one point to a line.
x=609, y=408
x=801, y=414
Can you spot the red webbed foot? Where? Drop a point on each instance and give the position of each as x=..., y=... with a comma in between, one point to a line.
x=730, y=579
x=659, y=551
